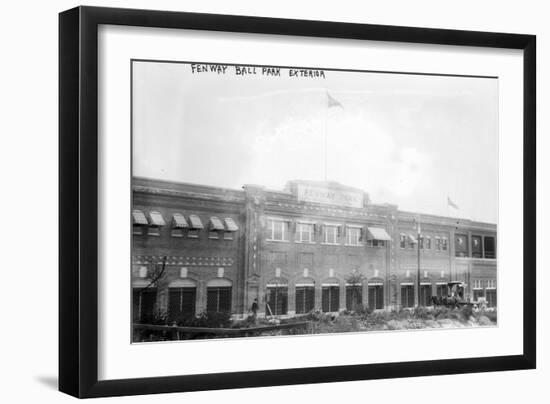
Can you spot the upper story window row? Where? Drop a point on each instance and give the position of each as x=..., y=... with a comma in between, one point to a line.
x=325, y=233
x=476, y=246
x=182, y=225
x=424, y=242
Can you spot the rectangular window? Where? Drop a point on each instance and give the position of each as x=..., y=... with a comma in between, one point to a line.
x=428, y=243
x=181, y=303
x=438, y=244
x=330, y=298
x=143, y=304
x=490, y=247
x=330, y=234
x=228, y=235
x=376, y=297
x=304, y=232
x=353, y=236
x=403, y=240
x=491, y=284
x=276, y=300
x=461, y=245
x=376, y=243
x=193, y=233
x=442, y=290
x=491, y=297
x=277, y=230
x=477, y=251
x=444, y=244
x=218, y=299
x=478, y=293
x=305, y=299
x=425, y=295
x=354, y=297
x=421, y=241
x=407, y=295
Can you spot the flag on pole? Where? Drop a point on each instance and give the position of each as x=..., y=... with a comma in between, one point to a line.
x=332, y=102
x=451, y=203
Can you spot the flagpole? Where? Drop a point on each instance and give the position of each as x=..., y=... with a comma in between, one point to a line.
x=326, y=142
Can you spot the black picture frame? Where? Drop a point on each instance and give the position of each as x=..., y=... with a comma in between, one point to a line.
x=78, y=200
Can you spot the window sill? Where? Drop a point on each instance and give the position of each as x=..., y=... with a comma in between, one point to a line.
x=331, y=244
x=354, y=245
x=278, y=241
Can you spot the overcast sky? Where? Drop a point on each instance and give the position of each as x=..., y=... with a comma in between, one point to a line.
x=408, y=140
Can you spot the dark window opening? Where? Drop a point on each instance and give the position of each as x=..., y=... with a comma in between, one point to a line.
x=490, y=249
x=143, y=305
x=181, y=303
x=407, y=296
x=330, y=298
x=376, y=297
x=354, y=297
x=442, y=290
x=305, y=299
x=425, y=295
x=477, y=250
x=276, y=300
x=218, y=299
x=491, y=296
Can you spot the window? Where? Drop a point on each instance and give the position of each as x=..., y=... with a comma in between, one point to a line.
x=490, y=248
x=305, y=299
x=157, y=219
x=376, y=296
x=213, y=235
x=139, y=221
x=444, y=244
x=276, y=300
x=438, y=243
x=195, y=226
x=477, y=251
x=412, y=241
x=461, y=245
x=425, y=295
x=491, y=284
x=442, y=290
x=421, y=241
x=353, y=236
x=218, y=299
x=403, y=240
x=491, y=297
x=230, y=228
x=277, y=230
x=330, y=298
x=305, y=232
x=354, y=297
x=143, y=304
x=181, y=303
x=330, y=234
x=428, y=243
x=477, y=289
x=407, y=295
x=376, y=243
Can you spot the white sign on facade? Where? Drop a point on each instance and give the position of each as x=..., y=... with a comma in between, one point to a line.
x=317, y=194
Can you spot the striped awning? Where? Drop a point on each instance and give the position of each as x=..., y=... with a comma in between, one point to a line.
x=157, y=219
x=195, y=222
x=230, y=224
x=139, y=217
x=179, y=221
x=216, y=223
x=378, y=233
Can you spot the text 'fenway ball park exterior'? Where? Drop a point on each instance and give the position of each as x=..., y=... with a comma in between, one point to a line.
x=312, y=246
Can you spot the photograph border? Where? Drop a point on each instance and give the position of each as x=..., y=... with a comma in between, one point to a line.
x=78, y=192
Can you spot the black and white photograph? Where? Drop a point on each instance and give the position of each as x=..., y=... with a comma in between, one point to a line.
x=274, y=201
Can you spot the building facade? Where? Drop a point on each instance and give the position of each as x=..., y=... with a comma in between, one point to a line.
x=312, y=246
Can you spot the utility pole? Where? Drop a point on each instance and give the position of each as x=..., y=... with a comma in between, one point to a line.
x=418, y=235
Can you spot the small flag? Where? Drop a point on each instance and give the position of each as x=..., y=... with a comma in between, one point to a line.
x=332, y=102
x=451, y=203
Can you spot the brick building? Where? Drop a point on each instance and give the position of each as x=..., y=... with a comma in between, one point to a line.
x=312, y=246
